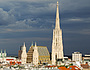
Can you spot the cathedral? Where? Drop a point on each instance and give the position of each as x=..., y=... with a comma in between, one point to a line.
x=36, y=54
x=57, y=44
x=40, y=54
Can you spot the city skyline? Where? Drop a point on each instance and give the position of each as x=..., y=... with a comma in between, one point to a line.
x=27, y=21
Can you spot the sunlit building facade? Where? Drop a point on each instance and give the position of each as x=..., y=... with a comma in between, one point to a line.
x=77, y=56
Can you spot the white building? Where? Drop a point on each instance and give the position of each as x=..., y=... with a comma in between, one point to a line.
x=86, y=59
x=35, y=55
x=24, y=54
x=57, y=44
x=3, y=56
x=77, y=56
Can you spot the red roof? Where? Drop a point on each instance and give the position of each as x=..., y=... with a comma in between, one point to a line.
x=9, y=59
x=63, y=68
x=74, y=68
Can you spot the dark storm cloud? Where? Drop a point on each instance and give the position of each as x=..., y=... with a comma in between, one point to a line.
x=32, y=12
x=33, y=20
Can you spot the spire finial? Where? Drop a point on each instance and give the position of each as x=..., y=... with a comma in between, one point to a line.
x=32, y=43
x=57, y=2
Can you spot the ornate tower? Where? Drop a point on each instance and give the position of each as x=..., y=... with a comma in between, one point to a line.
x=24, y=54
x=57, y=45
x=30, y=54
x=35, y=55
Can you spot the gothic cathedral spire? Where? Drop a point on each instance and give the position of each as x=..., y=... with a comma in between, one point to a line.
x=57, y=18
x=57, y=44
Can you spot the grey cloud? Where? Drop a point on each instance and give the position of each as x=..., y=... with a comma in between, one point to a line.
x=76, y=20
x=82, y=32
x=6, y=18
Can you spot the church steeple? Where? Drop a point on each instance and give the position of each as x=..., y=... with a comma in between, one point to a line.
x=57, y=44
x=57, y=26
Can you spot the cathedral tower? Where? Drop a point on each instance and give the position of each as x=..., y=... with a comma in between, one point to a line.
x=35, y=55
x=57, y=44
x=24, y=54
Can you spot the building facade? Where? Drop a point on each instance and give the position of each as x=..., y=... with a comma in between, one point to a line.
x=57, y=44
x=30, y=54
x=86, y=58
x=38, y=55
x=24, y=54
x=19, y=53
x=77, y=56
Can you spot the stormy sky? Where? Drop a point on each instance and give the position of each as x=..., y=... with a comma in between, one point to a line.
x=34, y=20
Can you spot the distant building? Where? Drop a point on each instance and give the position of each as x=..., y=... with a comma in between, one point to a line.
x=19, y=53
x=3, y=55
x=85, y=66
x=7, y=59
x=12, y=60
x=65, y=58
x=86, y=58
x=77, y=56
x=24, y=54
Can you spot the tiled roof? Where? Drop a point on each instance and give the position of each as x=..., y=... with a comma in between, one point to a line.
x=74, y=68
x=63, y=68
x=43, y=51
